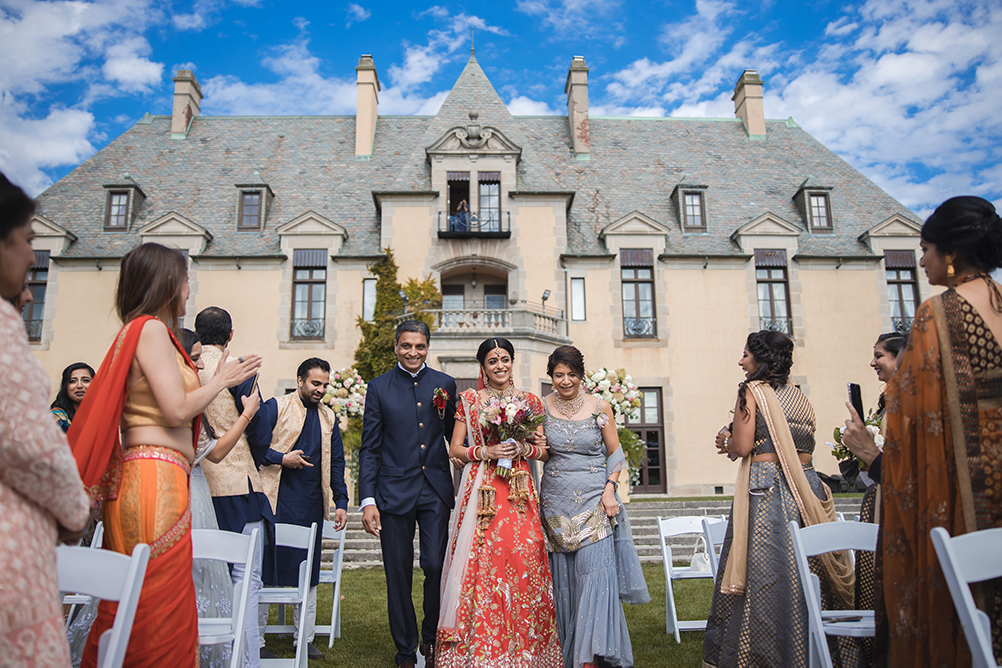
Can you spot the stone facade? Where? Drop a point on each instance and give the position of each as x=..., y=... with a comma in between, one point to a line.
x=567, y=206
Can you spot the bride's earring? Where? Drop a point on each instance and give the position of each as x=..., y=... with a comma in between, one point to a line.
x=950, y=271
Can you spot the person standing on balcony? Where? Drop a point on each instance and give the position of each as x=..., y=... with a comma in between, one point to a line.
x=462, y=214
x=404, y=477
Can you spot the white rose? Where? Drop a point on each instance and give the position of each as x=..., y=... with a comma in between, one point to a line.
x=603, y=386
x=511, y=410
x=598, y=376
x=879, y=442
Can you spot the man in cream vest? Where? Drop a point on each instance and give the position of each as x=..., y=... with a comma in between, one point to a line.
x=237, y=494
x=303, y=474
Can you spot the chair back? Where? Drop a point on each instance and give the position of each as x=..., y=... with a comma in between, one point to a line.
x=111, y=577
x=714, y=531
x=971, y=557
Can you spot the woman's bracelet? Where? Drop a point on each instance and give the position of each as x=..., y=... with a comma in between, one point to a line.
x=470, y=452
x=244, y=417
x=614, y=483
x=483, y=452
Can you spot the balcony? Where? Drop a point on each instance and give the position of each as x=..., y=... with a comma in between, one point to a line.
x=525, y=320
x=784, y=325
x=308, y=329
x=489, y=225
x=34, y=330
x=639, y=328
x=902, y=325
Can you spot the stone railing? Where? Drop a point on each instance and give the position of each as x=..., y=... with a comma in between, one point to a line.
x=523, y=320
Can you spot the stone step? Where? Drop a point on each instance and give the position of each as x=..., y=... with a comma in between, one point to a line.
x=362, y=550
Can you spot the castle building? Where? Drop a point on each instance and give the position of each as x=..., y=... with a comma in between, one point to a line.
x=653, y=244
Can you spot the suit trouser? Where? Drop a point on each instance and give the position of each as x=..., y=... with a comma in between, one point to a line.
x=253, y=629
x=311, y=617
x=397, y=540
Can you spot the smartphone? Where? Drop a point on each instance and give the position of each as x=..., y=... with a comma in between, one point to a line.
x=307, y=459
x=856, y=399
x=254, y=384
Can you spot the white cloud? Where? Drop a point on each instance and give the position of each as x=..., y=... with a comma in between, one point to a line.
x=521, y=105
x=194, y=21
x=126, y=64
x=356, y=14
x=574, y=19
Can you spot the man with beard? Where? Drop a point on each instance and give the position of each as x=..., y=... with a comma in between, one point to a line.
x=302, y=473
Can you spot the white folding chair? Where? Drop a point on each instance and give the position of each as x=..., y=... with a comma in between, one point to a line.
x=669, y=527
x=972, y=557
x=108, y=576
x=819, y=539
x=292, y=535
x=233, y=548
x=333, y=576
x=74, y=600
x=714, y=531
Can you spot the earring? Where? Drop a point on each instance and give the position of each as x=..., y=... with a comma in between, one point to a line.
x=950, y=271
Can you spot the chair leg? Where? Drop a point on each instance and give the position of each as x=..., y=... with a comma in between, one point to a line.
x=671, y=615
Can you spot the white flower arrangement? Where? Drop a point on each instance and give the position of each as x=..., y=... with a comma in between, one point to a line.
x=346, y=393
x=617, y=388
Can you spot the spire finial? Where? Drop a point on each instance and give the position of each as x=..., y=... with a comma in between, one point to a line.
x=473, y=42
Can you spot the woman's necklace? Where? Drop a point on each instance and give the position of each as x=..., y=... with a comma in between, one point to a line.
x=569, y=407
x=509, y=391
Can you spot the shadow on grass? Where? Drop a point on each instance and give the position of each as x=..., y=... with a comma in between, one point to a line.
x=365, y=633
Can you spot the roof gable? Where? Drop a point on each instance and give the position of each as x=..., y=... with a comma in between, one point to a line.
x=311, y=223
x=634, y=223
x=895, y=226
x=768, y=224
x=173, y=229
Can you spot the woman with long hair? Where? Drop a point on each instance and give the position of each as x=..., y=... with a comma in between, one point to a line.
x=942, y=461
x=757, y=582
x=592, y=556
x=497, y=594
x=72, y=389
x=148, y=388
x=42, y=500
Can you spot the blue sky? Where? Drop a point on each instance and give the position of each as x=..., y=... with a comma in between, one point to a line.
x=907, y=91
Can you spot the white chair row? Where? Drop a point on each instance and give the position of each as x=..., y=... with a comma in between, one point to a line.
x=712, y=530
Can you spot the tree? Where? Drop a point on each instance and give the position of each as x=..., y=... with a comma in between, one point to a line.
x=374, y=355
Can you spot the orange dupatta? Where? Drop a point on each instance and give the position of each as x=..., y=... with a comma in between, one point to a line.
x=95, y=441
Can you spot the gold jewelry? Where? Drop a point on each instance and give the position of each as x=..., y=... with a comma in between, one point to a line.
x=569, y=407
x=950, y=271
x=509, y=391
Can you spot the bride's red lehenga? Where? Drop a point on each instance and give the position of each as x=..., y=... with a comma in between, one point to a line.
x=497, y=593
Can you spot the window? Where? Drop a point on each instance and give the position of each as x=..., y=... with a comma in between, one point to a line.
x=637, y=267
x=309, y=294
x=452, y=297
x=773, y=291
x=490, y=201
x=118, y=210
x=250, y=210
x=648, y=425
x=494, y=296
x=578, y=299
x=368, y=298
x=902, y=288
x=458, y=201
x=819, y=213
x=692, y=212
x=38, y=277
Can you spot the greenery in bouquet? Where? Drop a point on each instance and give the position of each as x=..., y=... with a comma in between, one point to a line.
x=617, y=388
x=843, y=453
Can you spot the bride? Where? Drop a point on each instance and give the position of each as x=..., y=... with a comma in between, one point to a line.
x=497, y=593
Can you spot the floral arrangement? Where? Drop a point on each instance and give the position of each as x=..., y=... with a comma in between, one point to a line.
x=842, y=453
x=509, y=419
x=617, y=388
x=441, y=399
x=346, y=393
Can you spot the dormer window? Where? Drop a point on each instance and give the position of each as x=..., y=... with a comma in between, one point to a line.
x=250, y=210
x=253, y=203
x=690, y=202
x=122, y=200
x=814, y=202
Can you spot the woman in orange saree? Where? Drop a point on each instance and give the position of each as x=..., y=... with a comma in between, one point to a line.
x=497, y=593
x=942, y=459
x=148, y=387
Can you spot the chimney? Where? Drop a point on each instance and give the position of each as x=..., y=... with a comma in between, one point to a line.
x=187, y=102
x=368, y=101
x=748, y=104
x=577, y=108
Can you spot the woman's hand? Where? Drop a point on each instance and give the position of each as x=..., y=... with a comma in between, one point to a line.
x=609, y=503
x=537, y=438
x=457, y=463
x=502, y=451
x=235, y=371
x=858, y=438
x=251, y=403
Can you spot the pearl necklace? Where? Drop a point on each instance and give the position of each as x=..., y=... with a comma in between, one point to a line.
x=569, y=407
x=509, y=391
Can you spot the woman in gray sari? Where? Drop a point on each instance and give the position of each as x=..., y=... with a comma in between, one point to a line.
x=758, y=616
x=592, y=556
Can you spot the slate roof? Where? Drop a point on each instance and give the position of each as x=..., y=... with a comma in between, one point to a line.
x=309, y=163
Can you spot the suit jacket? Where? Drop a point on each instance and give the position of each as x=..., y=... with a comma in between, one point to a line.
x=404, y=441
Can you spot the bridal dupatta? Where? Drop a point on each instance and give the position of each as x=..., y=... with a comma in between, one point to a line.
x=837, y=565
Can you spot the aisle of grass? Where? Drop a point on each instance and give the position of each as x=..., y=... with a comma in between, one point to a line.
x=365, y=634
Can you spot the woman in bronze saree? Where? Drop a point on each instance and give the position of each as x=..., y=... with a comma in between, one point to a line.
x=942, y=460
x=758, y=616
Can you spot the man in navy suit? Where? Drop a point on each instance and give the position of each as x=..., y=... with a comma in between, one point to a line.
x=404, y=476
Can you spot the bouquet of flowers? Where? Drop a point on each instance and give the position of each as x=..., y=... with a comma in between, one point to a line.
x=849, y=464
x=510, y=419
x=346, y=393
x=617, y=388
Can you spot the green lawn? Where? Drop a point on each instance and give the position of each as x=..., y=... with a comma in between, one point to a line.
x=365, y=634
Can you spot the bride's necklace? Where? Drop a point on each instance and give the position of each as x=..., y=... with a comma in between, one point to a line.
x=569, y=407
x=509, y=391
